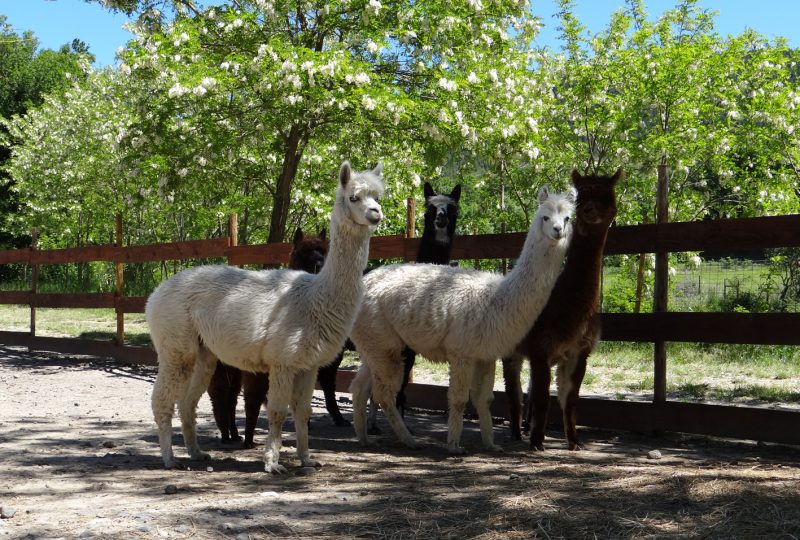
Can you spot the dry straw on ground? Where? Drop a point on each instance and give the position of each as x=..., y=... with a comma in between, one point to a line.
x=80, y=458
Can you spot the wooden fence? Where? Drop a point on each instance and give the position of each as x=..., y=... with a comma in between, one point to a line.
x=659, y=415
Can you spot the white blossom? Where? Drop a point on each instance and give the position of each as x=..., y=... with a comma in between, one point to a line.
x=368, y=102
x=177, y=90
x=447, y=84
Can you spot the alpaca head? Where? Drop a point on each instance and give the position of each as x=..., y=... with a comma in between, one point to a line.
x=441, y=212
x=596, y=205
x=553, y=214
x=358, y=194
x=308, y=252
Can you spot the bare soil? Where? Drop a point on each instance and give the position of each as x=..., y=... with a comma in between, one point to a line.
x=79, y=458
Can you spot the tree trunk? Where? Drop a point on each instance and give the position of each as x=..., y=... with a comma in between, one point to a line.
x=293, y=151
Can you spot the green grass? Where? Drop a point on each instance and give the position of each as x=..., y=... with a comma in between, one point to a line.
x=76, y=323
x=705, y=372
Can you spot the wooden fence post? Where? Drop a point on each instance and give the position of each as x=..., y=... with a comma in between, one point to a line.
x=119, y=275
x=34, y=279
x=661, y=288
x=411, y=207
x=233, y=229
x=233, y=232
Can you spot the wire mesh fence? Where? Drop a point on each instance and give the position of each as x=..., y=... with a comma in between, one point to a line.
x=720, y=285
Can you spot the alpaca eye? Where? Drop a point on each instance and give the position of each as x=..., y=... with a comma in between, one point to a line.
x=566, y=219
x=354, y=198
x=545, y=218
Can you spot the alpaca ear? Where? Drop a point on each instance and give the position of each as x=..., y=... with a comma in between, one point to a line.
x=543, y=194
x=572, y=195
x=456, y=193
x=428, y=190
x=576, y=177
x=322, y=233
x=298, y=236
x=345, y=173
x=378, y=170
x=619, y=175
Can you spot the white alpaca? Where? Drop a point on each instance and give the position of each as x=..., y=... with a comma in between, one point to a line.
x=464, y=317
x=286, y=322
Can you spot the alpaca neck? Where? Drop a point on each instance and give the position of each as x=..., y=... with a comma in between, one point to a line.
x=435, y=246
x=581, y=275
x=348, y=253
x=523, y=293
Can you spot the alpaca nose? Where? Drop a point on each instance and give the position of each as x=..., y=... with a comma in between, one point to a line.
x=557, y=228
x=374, y=215
x=441, y=221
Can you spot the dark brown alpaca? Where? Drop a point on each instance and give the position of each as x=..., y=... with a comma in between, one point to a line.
x=567, y=330
x=308, y=254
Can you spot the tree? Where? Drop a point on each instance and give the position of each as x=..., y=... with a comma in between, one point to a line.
x=252, y=90
x=26, y=76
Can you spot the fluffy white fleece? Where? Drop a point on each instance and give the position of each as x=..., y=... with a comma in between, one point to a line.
x=465, y=317
x=286, y=322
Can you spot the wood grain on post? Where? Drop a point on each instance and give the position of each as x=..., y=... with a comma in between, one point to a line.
x=119, y=274
x=34, y=280
x=660, y=289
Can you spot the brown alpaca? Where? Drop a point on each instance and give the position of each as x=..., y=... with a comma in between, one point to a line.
x=308, y=254
x=567, y=330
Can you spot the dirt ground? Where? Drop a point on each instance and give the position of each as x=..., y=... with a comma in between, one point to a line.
x=79, y=459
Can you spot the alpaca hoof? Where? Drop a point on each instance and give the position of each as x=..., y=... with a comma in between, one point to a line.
x=457, y=450
x=493, y=448
x=367, y=441
x=413, y=444
x=311, y=462
x=537, y=447
x=199, y=455
x=230, y=441
x=275, y=468
x=574, y=446
x=341, y=422
x=247, y=445
x=374, y=430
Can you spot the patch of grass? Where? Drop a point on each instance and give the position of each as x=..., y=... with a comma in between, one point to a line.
x=77, y=323
x=694, y=370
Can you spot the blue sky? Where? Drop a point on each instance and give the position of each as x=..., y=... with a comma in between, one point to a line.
x=56, y=22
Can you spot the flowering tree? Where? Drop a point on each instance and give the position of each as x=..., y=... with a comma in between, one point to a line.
x=252, y=91
x=28, y=73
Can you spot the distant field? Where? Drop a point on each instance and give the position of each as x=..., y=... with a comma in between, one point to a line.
x=705, y=372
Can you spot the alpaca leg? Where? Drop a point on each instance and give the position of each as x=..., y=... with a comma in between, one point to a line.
x=482, y=396
x=570, y=375
x=217, y=394
x=187, y=405
x=327, y=381
x=457, y=395
x=255, y=387
x=512, y=368
x=281, y=382
x=361, y=388
x=170, y=385
x=301, y=412
x=372, y=419
x=233, y=399
x=386, y=379
x=539, y=399
x=409, y=357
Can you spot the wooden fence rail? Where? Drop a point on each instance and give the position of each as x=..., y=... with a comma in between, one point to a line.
x=733, y=234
